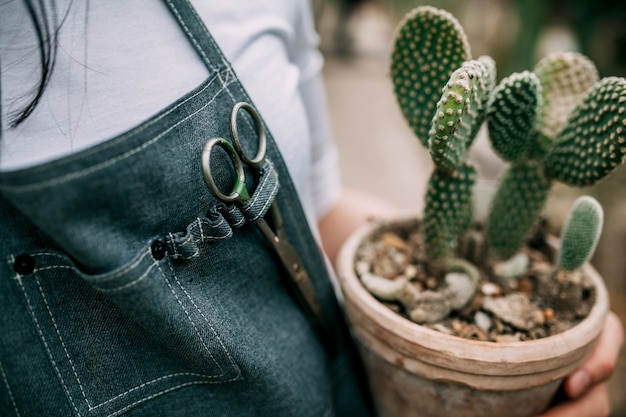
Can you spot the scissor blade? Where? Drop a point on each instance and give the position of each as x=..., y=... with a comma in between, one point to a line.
x=301, y=283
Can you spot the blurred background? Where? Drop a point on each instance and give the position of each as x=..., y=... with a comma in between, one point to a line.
x=379, y=153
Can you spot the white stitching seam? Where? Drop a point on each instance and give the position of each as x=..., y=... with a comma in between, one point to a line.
x=192, y=322
x=6, y=383
x=128, y=284
x=165, y=391
x=232, y=362
x=56, y=328
x=199, y=49
x=45, y=343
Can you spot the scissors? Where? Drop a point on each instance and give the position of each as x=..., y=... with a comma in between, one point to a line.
x=239, y=194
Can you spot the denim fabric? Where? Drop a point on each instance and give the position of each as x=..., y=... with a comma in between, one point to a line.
x=127, y=288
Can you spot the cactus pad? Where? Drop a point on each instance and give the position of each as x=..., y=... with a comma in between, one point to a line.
x=429, y=45
x=448, y=210
x=511, y=115
x=581, y=233
x=593, y=142
x=515, y=208
x=460, y=111
x=564, y=77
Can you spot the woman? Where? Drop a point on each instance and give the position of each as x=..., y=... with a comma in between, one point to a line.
x=128, y=287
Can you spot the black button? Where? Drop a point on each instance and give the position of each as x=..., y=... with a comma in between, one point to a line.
x=24, y=264
x=158, y=250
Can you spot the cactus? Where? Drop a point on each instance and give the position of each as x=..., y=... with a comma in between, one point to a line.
x=460, y=112
x=448, y=210
x=590, y=145
x=511, y=115
x=443, y=95
x=564, y=77
x=580, y=234
x=429, y=46
x=515, y=208
x=554, y=123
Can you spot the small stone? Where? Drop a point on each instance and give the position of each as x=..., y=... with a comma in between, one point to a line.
x=490, y=289
x=410, y=271
x=441, y=328
x=457, y=326
x=508, y=338
x=482, y=320
x=540, y=318
x=548, y=314
x=431, y=283
x=514, y=309
x=393, y=240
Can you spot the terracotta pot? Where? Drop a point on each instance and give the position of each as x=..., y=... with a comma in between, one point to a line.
x=415, y=371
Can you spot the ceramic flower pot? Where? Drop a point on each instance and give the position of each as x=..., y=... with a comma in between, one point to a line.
x=416, y=371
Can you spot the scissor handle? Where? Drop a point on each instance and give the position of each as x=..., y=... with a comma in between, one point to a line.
x=239, y=192
x=259, y=159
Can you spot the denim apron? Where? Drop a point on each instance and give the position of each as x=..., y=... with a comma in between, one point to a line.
x=127, y=288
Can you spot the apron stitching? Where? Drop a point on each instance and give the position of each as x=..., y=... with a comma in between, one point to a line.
x=190, y=319
x=58, y=332
x=190, y=35
x=47, y=347
x=145, y=384
x=128, y=284
x=165, y=391
x=235, y=367
x=6, y=383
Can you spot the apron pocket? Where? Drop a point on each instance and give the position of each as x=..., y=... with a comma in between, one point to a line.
x=118, y=339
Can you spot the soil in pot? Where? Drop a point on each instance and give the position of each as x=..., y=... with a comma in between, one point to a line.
x=532, y=306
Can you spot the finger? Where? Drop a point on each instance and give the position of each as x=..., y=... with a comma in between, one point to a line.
x=595, y=403
x=602, y=361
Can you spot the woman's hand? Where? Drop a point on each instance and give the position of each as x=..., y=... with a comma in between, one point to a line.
x=587, y=388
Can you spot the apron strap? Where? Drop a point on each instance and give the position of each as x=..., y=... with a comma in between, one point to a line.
x=198, y=34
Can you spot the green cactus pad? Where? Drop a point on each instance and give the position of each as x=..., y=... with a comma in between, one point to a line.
x=459, y=111
x=511, y=114
x=564, y=77
x=429, y=45
x=580, y=234
x=448, y=210
x=515, y=208
x=593, y=141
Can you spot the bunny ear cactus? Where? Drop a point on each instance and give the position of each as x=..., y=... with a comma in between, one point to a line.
x=580, y=234
x=589, y=145
x=565, y=77
x=460, y=112
x=515, y=208
x=443, y=95
x=429, y=45
x=511, y=114
x=593, y=141
x=448, y=211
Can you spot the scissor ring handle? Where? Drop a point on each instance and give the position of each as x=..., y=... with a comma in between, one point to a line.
x=239, y=192
x=258, y=161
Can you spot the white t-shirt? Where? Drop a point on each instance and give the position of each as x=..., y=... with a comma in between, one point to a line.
x=120, y=62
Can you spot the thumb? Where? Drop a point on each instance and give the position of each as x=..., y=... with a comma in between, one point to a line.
x=602, y=361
